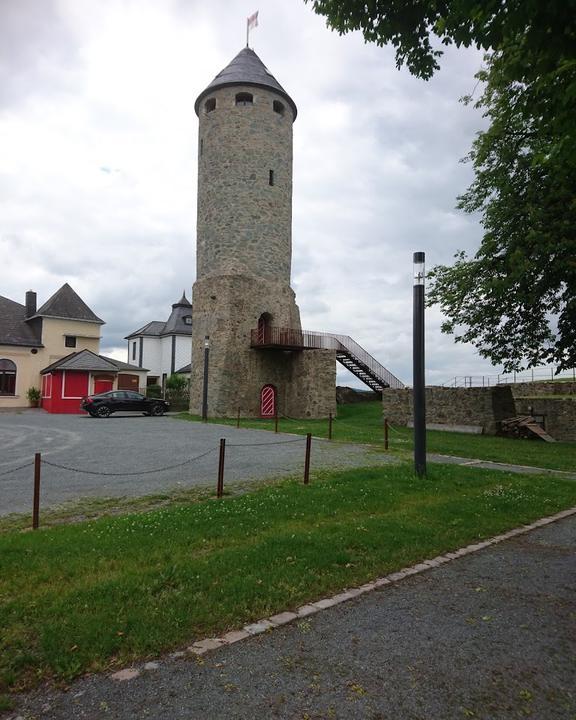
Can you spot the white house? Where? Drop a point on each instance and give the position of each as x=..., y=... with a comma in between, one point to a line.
x=164, y=347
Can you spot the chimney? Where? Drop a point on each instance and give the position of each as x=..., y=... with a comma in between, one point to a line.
x=30, y=303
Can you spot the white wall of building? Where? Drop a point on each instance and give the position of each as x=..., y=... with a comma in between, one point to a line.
x=152, y=355
x=166, y=343
x=157, y=353
x=183, y=351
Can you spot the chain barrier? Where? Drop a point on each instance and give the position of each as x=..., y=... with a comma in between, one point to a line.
x=287, y=417
x=279, y=442
x=127, y=474
x=20, y=467
x=396, y=430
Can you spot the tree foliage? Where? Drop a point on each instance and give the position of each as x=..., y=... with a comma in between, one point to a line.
x=417, y=27
x=515, y=299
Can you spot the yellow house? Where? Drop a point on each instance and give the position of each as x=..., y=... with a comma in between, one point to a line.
x=31, y=339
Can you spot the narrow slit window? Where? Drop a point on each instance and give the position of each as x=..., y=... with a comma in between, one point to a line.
x=201, y=146
x=210, y=105
x=278, y=107
x=244, y=99
x=271, y=177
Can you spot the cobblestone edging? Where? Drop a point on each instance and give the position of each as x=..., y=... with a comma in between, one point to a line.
x=203, y=646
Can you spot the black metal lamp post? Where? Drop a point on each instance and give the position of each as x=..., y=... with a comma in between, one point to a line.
x=205, y=386
x=419, y=393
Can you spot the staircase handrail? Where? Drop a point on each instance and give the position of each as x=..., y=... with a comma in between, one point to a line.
x=294, y=338
x=346, y=344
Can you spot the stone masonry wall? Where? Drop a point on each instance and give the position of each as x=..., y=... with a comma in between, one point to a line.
x=226, y=309
x=555, y=401
x=483, y=407
x=312, y=385
x=486, y=407
x=244, y=223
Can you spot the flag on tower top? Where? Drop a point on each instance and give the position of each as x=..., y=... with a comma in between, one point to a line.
x=251, y=22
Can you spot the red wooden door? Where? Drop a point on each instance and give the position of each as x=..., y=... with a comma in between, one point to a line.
x=268, y=401
x=103, y=384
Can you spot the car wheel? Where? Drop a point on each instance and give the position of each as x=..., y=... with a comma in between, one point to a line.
x=103, y=411
x=156, y=410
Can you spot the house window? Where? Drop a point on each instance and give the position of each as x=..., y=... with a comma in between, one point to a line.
x=70, y=341
x=244, y=98
x=134, y=350
x=188, y=319
x=278, y=107
x=7, y=377
x=210, y=105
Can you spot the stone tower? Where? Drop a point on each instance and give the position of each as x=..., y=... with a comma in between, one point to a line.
x=244, y=252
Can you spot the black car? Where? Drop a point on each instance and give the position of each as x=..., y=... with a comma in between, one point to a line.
x=106, y=403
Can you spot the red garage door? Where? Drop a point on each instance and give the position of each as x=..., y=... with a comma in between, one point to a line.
x=103, y=383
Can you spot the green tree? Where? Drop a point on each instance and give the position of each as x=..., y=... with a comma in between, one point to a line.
x=417, y=27
x=515, y=299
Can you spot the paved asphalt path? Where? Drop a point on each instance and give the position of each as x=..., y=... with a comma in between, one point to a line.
x=131, y=442
x=489, y=636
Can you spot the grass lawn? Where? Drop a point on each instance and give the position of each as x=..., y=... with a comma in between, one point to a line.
x=98, y=594
x=363, y=423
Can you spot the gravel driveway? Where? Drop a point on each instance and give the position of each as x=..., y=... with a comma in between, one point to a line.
x=134, y=443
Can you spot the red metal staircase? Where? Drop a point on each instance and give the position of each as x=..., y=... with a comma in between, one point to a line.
x=351, y=355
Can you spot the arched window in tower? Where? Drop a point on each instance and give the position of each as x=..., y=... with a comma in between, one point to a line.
x=7, y=377
x=210, y=105
x=278, y=107
x=265, y=329
x=244, y=98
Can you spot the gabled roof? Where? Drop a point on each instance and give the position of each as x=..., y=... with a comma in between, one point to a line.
x=126, y=366
x=87, y=360
x=14, y=330
x=246, y=69
x=65, y=303
x=153, y=329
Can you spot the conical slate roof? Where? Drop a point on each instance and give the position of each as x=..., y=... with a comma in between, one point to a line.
x=65, y=303
x=246, y=69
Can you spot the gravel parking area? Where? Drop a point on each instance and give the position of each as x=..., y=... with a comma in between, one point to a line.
x=144, y=445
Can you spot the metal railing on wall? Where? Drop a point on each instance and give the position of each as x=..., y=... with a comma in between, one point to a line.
x=541, y=374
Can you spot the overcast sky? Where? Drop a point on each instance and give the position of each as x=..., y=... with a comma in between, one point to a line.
x=98, y=164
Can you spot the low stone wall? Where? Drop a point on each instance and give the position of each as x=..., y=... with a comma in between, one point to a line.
x=543, y=388
x=559, y=415
x=487, y=407
x=483, y=407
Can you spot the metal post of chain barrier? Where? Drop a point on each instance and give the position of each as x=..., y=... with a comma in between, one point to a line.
x=220, y=485
x=385, y=433
x=330, y=426
x=276, y=421
x=238, y=418
x=36, y=501
x=307, y=459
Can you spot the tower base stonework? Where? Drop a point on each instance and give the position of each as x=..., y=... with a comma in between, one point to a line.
x=227, y=308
